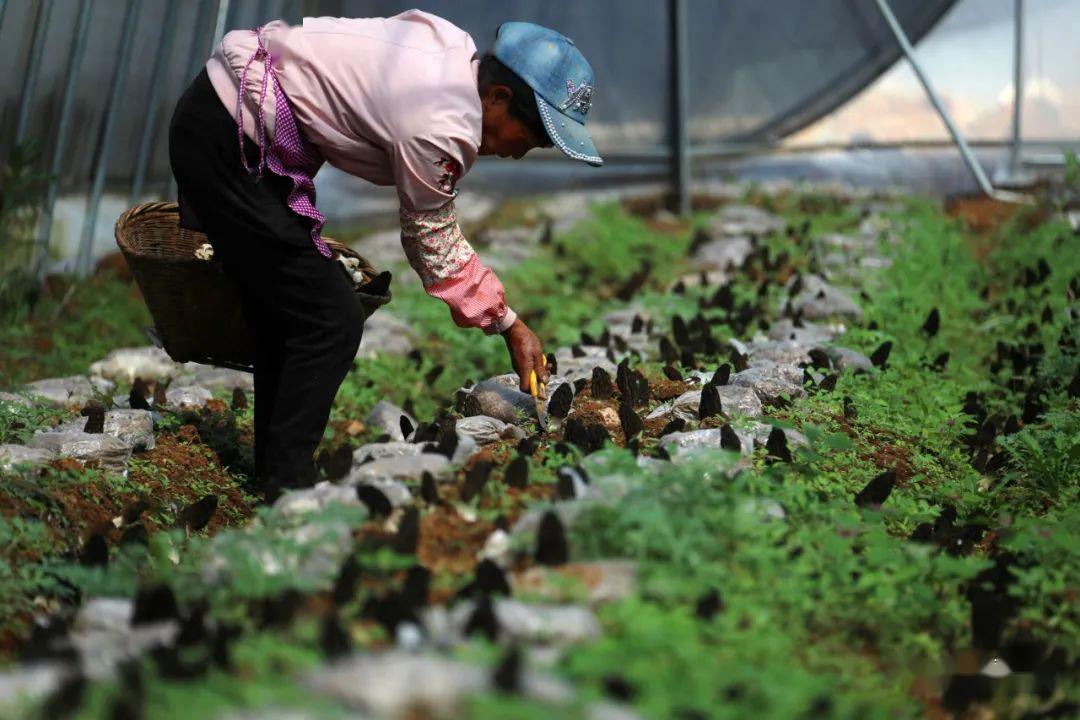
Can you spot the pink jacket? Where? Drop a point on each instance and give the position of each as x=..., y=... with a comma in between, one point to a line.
x=393, y=101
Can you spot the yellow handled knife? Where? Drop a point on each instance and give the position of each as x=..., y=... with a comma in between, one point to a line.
x=539, y=392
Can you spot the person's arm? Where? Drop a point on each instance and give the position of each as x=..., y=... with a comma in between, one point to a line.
x=449, y=268
x=451, y=271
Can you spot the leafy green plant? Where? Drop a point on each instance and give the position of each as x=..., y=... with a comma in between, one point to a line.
x=1046, y=458
x=1048, y=575
x=21, y=188
x=19, y=422
x=22, y=577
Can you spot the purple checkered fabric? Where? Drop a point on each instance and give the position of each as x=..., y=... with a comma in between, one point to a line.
x=290, y=155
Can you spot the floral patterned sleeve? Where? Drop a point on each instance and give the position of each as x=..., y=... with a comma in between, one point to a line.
x=451, y=270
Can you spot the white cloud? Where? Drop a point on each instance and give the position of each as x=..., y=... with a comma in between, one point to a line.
x=1035, y=88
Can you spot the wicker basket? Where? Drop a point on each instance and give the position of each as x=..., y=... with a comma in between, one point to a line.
x=196, y=309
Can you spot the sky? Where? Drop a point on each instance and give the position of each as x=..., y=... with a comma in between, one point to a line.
x=969, y=59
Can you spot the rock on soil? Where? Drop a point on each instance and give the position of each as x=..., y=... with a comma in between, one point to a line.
x=495, y=399
x=485, y=430
x=13, y=399
x=723, y=253
x=378, y=451
x=29, y=683
x=308, y=553
x=404, y=468
x=566, y=210
x=135, y=428
x=744, y=220
x=105, y=450
x=702, y=278
x=621, y=322
x=20, y=455
x=596, y=582
x=263, y=712
x=787, y=352
x=188, y=397
x=125, y=364
x=521, y=622
x=760, y=432
x=386, y=417
x=684, y=443
x=506, y=247
x=316, y=499
x=216, y=378
x=764, y=508
x=771, y=381
x=735, y=400
x=385, y=334
x=399, y=684
x=847, y=359
x=610, y=711
x=523, y=532
x=496, y=548
x=104, y=637
x=68, y=391
x=817, y=300
x=375, y=452
x=751, y=435
x=807, y=333
x=846, y=244
x=396, y=683
x=395, y=491
x=576, y=368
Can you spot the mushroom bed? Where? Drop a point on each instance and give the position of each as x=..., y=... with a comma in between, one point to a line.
x=813, y=452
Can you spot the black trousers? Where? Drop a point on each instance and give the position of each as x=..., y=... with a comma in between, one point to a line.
x=306, y=320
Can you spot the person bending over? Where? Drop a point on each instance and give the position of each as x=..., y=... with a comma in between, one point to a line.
x=403, y=101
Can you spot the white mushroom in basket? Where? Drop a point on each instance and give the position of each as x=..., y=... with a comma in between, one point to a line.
x=351, y=266
x=205, y=252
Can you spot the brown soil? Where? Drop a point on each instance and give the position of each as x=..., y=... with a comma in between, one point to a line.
x=668, y=226
x=217, y=406
x=73, y=509
x=885, y=453
x=665, y=389
x=980, y=214
x=887, y=456
x=649, y=205
x=543, y=581
x=178, y=460
x=600, y=412
x=448, y=543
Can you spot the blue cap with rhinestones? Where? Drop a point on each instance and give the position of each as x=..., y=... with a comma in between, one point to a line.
x=560, y=77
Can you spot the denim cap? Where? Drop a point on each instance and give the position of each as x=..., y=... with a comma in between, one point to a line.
x=560, y=77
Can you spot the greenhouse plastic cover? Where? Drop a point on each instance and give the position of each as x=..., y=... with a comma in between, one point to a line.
x=758, y=70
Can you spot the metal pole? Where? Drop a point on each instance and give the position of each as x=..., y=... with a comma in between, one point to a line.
x=3, y=6
x=1018, y=86
x=33, y=68
x=293, y=11
x=196, y=57
x=220, y=22
x=157, y=80
x=71, y=77
x=116, y=91
x=961, y=144
x=196, y=60
x=680, y=98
